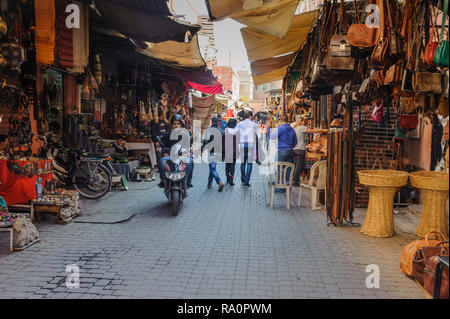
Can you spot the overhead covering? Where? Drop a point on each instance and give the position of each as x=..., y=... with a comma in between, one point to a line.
x=181, y=54
x=270, y=16
x=141, y=26
x=200, y=80
x=45, y=31
x=260, y=45
x=152, y=7
x=268, y=77
x=267, y=65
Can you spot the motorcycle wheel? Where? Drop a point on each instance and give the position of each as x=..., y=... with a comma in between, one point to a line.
x=176, y=202
x=90, y=192
x=102, y=175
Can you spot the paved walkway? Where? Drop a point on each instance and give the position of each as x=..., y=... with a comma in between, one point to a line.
x=222, y=245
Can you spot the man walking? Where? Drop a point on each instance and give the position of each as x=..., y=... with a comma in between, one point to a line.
x=215, y=150
x=287, y=140
x=231, y=139
x=248, y=130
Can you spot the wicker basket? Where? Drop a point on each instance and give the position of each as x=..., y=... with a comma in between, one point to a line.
x=383, y=178
x=430, y=180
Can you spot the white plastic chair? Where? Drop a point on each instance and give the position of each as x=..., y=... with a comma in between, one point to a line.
x=277, y=179
x=320, y=184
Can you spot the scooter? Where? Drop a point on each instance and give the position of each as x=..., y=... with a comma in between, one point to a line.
x=175, y=187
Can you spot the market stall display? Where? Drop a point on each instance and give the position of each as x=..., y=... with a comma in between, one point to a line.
x=64, y=203
x=379, y=220
x=434, y=187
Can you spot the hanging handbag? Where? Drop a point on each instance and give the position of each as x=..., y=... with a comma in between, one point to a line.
x=441, y=56
x=423, y=254
x=359, y=35
x=408, y=121
x=394, y=39
x=429, y=277
x=400, y=133
x=430, y=48
x=443, y=106
x=380, y=55
x=377, y=114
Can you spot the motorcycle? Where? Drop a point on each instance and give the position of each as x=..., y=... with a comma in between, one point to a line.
x=175, y=187
x=84, y=171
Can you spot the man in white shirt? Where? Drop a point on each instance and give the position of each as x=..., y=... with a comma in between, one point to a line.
x=248, y=130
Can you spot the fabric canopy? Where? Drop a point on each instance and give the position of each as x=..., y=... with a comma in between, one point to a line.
x=45, y=31
x=200, y=80
x=270, y=16
x=143, y=27
x=268, y=77
x=267, y=65
x=181, y=54
x=260, y=45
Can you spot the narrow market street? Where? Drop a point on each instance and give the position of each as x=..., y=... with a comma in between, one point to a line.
x=221, y=245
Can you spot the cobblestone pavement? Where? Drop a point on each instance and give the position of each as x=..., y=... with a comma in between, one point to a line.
x=222, y=245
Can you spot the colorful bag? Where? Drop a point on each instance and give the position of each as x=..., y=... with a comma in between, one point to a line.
x=441, y=56
x=408, y=121
x=377, y=114
x=430, y=48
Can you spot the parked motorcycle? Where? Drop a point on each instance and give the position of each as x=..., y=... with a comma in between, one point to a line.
x=84, y=171
x=175, y=187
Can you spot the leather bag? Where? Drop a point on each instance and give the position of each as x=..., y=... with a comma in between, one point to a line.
x=408, y=121
x=380, y=54
x=423, y=254
x=359, y=35
x=377, y=114
x=407, y=255
x=429, y=277
x=431, y=46
x=394, y=39
x=443, y=106
x=441, y=56
x=427, y=82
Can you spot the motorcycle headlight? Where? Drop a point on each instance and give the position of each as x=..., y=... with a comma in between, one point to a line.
x=175, y=176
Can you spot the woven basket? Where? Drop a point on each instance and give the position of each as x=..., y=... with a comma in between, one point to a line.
x=430, y=180
x=383, y=178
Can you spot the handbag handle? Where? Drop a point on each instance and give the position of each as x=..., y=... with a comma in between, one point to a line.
x=444, y=17
x=414, y=37
x=433, y=232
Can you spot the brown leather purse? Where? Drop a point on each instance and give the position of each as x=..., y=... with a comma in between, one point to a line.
x=380, y=54
x=429, y=277
x=359, y=35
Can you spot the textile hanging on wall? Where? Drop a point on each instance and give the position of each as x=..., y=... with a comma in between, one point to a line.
x=270, y=16
x=180, y=54
x=260, y=45
x=203, y=80
x=64, y=36
x=143, y=27
x=80, y=41
x=45, y=31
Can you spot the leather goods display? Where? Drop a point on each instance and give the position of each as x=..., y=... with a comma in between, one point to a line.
x=429, y=278
x=361, y=36
x=431, y=46
x=408, y=121
x=339, y=54
x=394, y=39
x=441, y=56
x=427, y=82
x=423, y=254
x=407, y=255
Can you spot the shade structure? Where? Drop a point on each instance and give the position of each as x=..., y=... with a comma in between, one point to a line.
x=201, y=80
x=181, y=54
x=260, y=45
x=141, y=26
x=268, y=65
x=268, y=77
x=270, y=16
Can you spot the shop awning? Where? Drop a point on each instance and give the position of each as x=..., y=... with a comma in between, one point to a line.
x=141, y=26
x=268, y=65
x=222, y=100
x=152, y=7
x=268, y=77
x=270, y=16
x=200, y=80
x=260, y=45
x=181, y=54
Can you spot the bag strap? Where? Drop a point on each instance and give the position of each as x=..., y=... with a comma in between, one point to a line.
x=381, y=28
x=356, y=12
x=433, y=232
x=414, y=37
x=444, y=17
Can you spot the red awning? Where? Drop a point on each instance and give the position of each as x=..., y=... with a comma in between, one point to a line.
x=203, y=81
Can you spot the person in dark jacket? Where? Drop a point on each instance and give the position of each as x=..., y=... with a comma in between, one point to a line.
x=214, y=154
x=231, y=150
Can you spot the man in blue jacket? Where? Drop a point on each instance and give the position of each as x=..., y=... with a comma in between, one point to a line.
x=287, y=140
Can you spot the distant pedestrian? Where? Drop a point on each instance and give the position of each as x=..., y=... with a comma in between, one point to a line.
x=231, y=143
x=215, y=153
x=248, y=131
